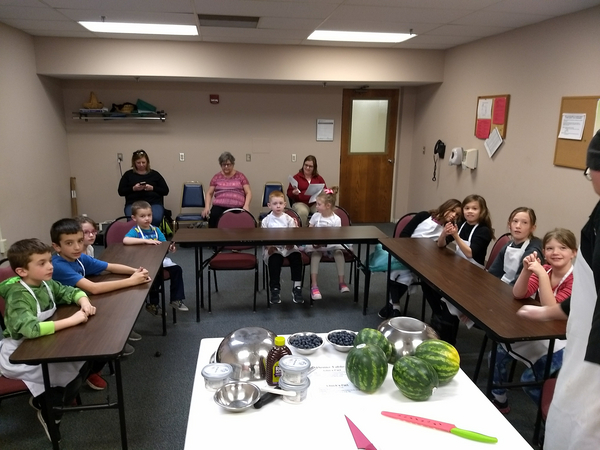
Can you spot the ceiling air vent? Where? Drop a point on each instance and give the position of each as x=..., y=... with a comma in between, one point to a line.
x=209, y=20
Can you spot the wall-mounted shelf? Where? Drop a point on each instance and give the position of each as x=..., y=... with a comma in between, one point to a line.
x=158, y=115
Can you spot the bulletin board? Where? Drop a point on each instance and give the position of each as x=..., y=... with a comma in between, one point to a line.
x=568, y=152
x=492, y=112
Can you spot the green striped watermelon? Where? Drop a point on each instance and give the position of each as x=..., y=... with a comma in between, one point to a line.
x=373, y=336
x=442, y=356
x=366, y=367
x=415, y=378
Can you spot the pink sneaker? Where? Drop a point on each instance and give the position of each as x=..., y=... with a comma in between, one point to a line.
x=344, y=288
x=315, y=294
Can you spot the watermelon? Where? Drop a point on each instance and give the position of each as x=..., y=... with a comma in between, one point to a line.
x=442, y=356
x=373, y=336
x=415, y=378
x=366, y=367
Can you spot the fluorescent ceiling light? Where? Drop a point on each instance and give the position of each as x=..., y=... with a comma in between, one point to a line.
x=359, y=36
x=141, y=28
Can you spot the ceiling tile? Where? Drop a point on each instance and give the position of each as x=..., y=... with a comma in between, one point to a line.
x=130, y=16
x=180, y=6
x=499, y=19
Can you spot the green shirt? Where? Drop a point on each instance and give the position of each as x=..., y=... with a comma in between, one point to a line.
x=20, y=316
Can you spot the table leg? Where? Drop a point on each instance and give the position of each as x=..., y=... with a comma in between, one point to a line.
x=162, y=300
x=538, y=419
x=196, y=249
x=52, y=428
x=492, y=368
x=367, y=272
x=201, y=282
x=121, y=404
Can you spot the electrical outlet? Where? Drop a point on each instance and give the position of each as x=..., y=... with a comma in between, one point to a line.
x=248, y=157
x=119, y=157
x=293, y=157
x=182, y=157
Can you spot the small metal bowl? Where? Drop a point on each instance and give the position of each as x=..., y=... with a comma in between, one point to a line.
x=303, y=351
x=237, y=396
x=340, y=348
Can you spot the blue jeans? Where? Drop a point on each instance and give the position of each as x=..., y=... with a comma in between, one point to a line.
x=534, y=373
x=158, y=211
x=176, y=290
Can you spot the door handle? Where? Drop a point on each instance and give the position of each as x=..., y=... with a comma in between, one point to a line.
x=390, y=161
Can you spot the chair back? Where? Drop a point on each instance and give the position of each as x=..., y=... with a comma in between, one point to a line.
x=270, y=186
x=5, y=272
x=117, y=230
x=402, y=222
x=343, y=215
x=294, y=215
x=192, y=195
x=236, y=218
x=498, y=245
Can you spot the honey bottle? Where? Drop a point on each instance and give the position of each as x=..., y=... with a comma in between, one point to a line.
x=273, y=371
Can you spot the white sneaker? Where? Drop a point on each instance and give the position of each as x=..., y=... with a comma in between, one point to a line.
x=179, y=305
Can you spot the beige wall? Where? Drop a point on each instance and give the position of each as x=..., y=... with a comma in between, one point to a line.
x=42, y=146
x=35, y=168
x=267, y=122
x=536, y=65
x=204, y=61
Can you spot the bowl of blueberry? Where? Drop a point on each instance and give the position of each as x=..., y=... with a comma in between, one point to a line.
x=305, y=342
x=341, y=340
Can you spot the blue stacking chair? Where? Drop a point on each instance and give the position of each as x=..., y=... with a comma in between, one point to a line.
x=270, y=186
x=192, y=203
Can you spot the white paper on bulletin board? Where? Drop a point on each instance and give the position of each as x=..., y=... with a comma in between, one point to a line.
x=571, y=126
x=325, y=130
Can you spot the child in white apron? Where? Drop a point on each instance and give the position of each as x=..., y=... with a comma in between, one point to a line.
x=426, y=225
x=31, y=300
x=508, y=264
x=472, y=239
x=273, y=255
x=552, y=283
x=325, y=217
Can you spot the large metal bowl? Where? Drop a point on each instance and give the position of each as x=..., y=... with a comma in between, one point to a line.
x=405, y=334
x=246, y=350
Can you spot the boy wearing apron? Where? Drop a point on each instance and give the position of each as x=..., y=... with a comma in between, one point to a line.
x=31, y=300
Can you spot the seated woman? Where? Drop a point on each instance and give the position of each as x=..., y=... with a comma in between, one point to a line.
x=228, y=189
x=142, y=183
x=308, y=174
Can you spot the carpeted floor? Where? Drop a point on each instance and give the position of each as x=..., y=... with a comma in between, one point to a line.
x=158, y=377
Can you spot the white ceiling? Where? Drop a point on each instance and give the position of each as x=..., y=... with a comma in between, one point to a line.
x=439, y=24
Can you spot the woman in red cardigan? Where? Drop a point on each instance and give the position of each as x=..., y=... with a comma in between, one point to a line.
x=308, y=174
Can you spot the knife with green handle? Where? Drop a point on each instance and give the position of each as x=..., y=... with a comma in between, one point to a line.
x=442, y=426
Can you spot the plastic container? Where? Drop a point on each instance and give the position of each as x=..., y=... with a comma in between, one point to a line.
x=294, y=369
x=216, y=375
x=300, y=390
x=273, y=371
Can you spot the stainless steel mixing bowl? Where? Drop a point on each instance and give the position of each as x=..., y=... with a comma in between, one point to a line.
x=237, y=396
x=405, y=334
x=246, y=350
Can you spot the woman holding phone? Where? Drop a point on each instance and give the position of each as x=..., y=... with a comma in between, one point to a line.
x=143, y=183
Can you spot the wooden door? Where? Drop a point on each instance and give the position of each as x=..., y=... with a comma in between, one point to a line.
x=366, y=173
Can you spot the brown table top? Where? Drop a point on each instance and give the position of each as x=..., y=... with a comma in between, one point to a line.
x=271, y=236
x=484, y=298
x=104, y=334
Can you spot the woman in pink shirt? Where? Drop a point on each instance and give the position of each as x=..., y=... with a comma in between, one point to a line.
x=228, y=189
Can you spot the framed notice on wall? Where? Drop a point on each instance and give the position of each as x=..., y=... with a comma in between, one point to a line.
x=325, y=130
x=491, y=114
